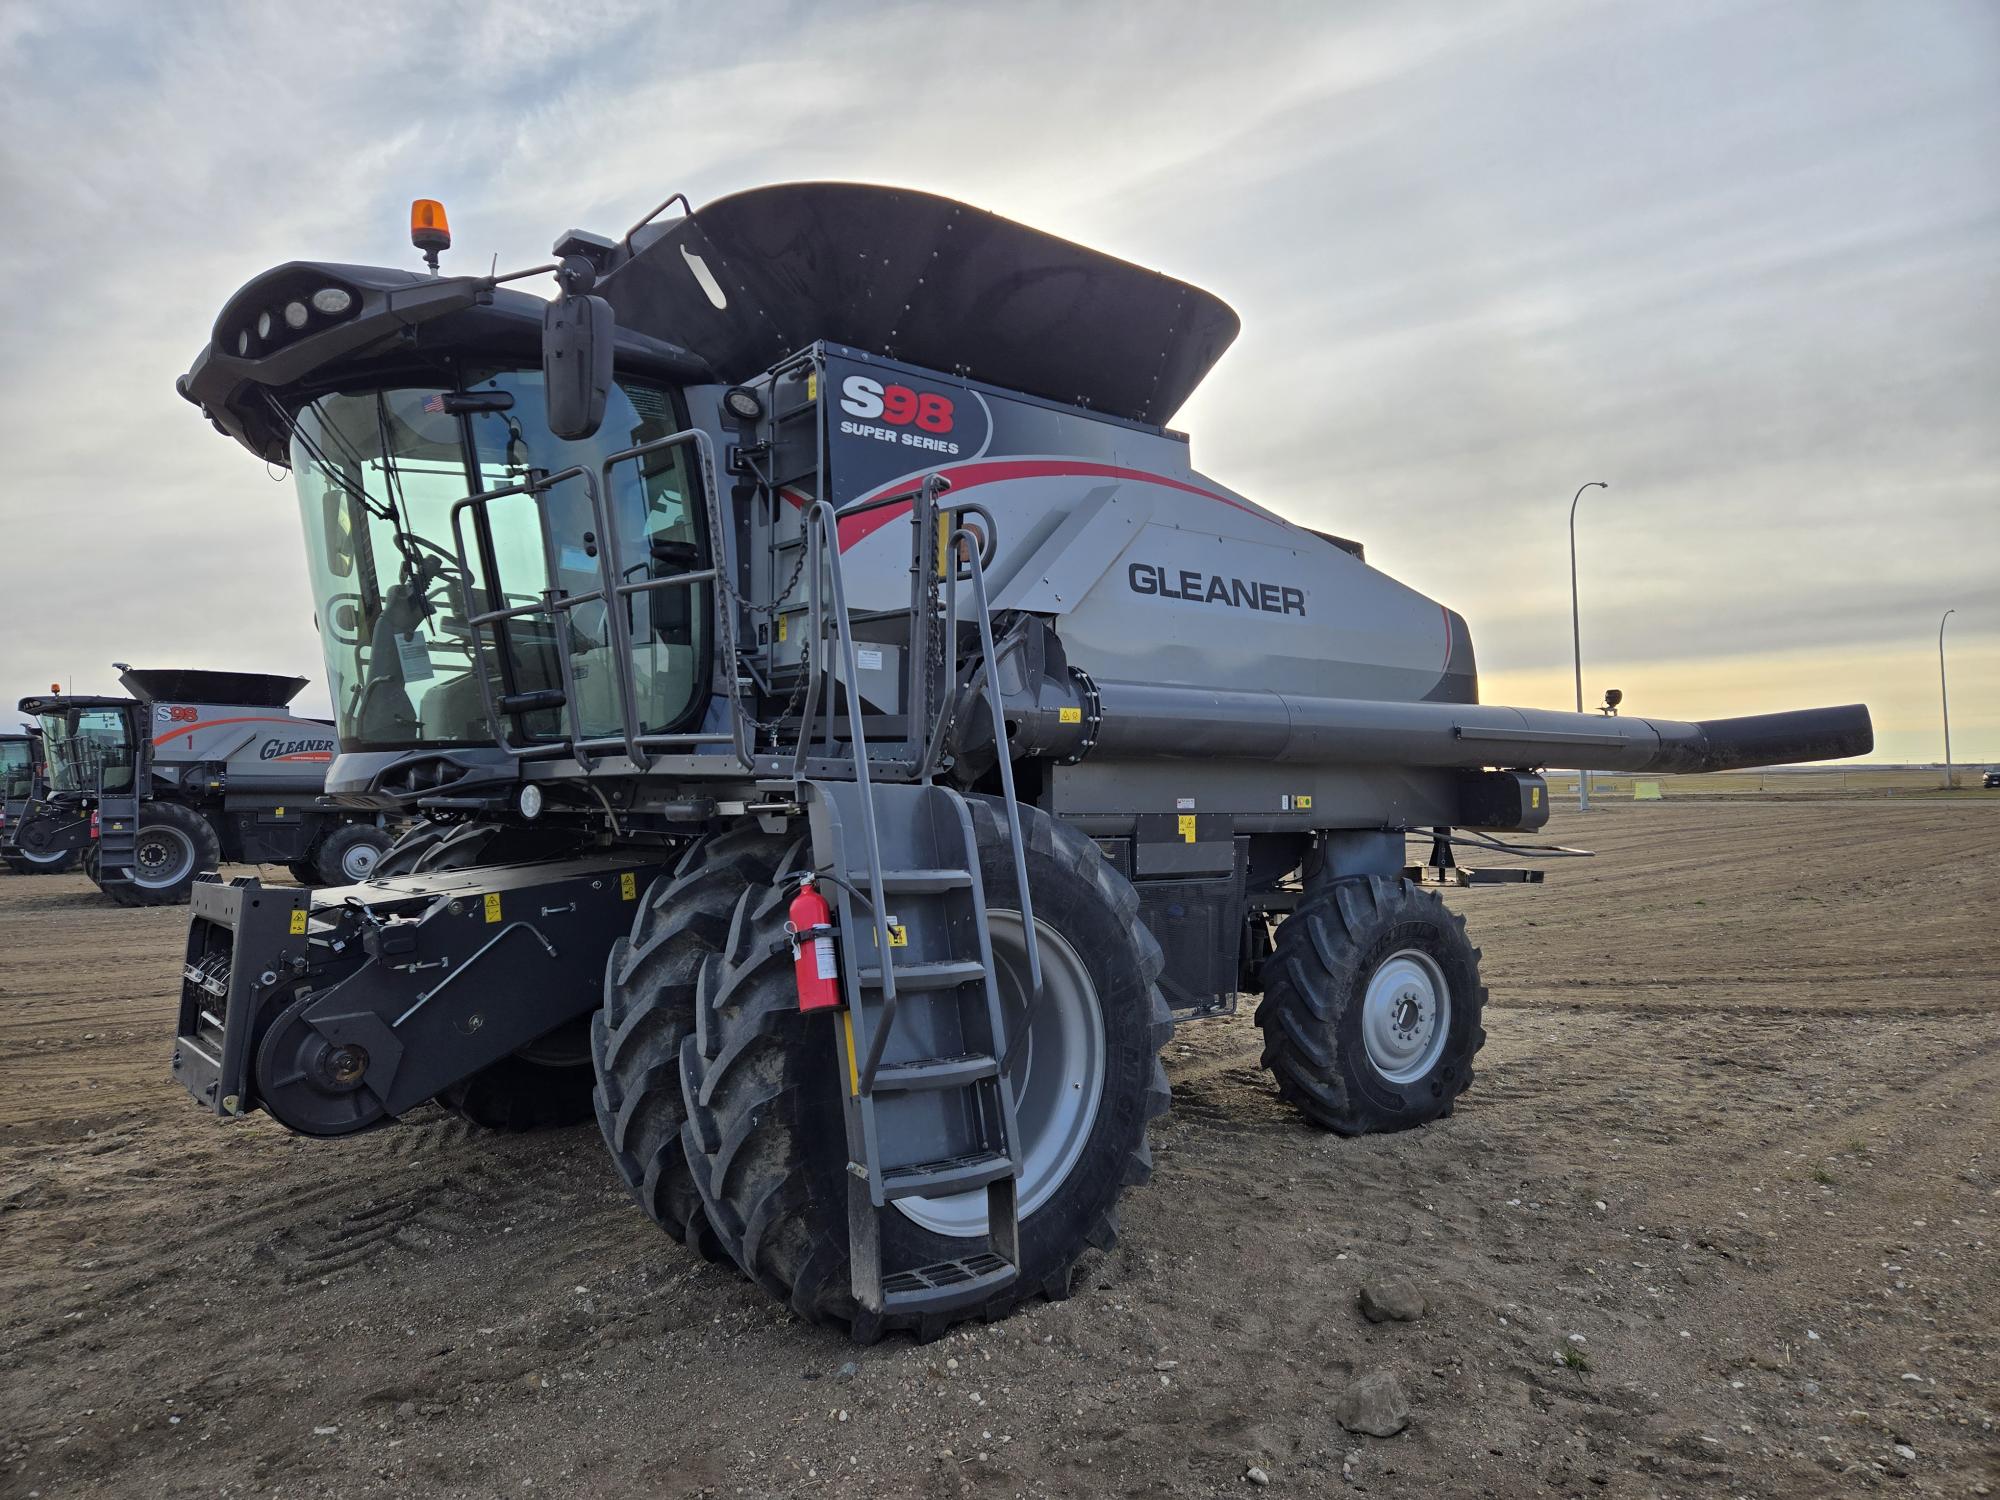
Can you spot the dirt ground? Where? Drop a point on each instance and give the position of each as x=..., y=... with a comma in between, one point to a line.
x=1717, y=1219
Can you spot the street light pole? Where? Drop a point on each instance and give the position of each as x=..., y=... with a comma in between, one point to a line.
x=1576, y=633
x=1944, y=697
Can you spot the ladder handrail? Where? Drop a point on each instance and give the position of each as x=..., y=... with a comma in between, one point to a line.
x=534, y=487
x=618, y=589
x=975, y=573
x=822, y=523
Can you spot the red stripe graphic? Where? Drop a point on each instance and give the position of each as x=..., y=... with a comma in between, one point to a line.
x=180, y=729
x=971, y=474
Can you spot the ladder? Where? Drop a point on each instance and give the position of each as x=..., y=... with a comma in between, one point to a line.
x=117, y=837
x=922, y=1044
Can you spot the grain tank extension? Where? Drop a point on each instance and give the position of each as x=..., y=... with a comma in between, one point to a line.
x=850, y=735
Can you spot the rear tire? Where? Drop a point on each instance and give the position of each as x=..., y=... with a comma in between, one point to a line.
x=303, y=871
x=544, y=1086
x=348, y=855
x=174, y=844
x=766, y=1138
x=1372, y=1006
x=649, y=996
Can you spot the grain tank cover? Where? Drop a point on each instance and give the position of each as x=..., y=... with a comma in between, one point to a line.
x=185, y=685
x=758, y=275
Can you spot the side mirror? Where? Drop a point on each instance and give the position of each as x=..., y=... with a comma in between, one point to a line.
x=577, y=334
x=339, y=533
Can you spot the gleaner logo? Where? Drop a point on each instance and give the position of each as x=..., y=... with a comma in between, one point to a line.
x=1213, y=588
x=295, y=749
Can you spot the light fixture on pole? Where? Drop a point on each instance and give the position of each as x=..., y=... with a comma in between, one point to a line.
x=1576, y=632
x=1944, y=697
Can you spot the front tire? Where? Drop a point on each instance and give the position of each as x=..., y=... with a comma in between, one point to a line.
x=1372, y=1006
x=766, y=1139
x=174, y=844
x=649, y=998
x=62, y=861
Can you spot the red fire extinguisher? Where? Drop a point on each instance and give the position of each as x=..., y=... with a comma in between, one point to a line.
x=813, y=965
x=93, y=824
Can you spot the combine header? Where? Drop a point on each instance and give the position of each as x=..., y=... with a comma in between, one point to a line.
x=193, y=769
x=853, y=736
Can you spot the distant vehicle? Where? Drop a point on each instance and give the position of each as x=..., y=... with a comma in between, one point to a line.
x=193, y=769
x=1992, y=779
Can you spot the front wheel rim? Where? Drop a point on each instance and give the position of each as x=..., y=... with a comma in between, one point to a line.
x=162, y=857
x=1406, y=1016
x=1057, y=1075
x=358, y=862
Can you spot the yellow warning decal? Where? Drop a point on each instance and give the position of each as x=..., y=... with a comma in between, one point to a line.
x=298, y=925
x=280, y=812
x=1186, y=821
x=899, y=936
x=853, y=1072
x=1069, y=715
x=628, y=886
x=1303, y=804
x=1534, y=797
x=812, y=385
x=782, y=622
x=492, y=906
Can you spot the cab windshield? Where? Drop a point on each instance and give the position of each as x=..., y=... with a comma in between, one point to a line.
x=17, y=769
x=378, y=474
x=88, y=749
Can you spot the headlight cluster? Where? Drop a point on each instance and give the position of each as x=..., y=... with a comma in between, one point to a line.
x=273, y=324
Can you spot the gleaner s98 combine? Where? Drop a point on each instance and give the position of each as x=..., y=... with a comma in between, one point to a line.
x=193, y=769
x=23, y=783
x=853, y=735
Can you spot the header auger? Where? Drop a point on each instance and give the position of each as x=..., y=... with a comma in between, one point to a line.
x=828, y=540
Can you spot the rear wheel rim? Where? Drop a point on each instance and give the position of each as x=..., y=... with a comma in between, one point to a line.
x=358, y=861
x=162, y=856
x=1057, y=1074
x=1406, y=1016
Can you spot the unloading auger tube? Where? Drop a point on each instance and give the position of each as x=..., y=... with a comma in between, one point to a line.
x=1141, y=720
x=834, y=536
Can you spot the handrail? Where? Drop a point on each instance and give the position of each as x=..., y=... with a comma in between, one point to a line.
x=725, y=618
x=534, y=486
x=822, y=522
x=976, y=574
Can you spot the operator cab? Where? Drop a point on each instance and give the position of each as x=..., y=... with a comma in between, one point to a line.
x=90, y=744
x=383, y=476
x=17, y=767
x=414, y=416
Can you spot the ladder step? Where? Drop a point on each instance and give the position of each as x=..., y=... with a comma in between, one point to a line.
x=946, y=1285
x=955, y=1174
x=935, y=1073
x=917, y=882
x=938, y=976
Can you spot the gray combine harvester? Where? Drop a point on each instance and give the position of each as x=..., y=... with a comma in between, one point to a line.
x=194, y=769
x=853, y=736
x=23, y=782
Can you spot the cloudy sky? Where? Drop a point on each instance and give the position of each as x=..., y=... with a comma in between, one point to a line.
x=1739, y=260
